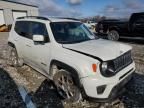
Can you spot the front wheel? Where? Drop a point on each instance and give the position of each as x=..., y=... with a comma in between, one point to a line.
x=66, y=86
x=113, y=35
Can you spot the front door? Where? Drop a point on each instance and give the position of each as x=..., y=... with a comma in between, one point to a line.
x=39, y=52
x=138, y=27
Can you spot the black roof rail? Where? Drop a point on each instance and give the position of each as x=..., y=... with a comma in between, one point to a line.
x=72, y=19
x=67, y=18
x=34, y=17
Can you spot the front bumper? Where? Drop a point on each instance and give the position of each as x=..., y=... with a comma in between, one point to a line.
x=115, y=92
x=114, y=85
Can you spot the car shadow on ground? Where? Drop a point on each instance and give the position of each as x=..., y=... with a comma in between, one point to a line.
x=9, y=93
x=46, y=96
x=134, y=95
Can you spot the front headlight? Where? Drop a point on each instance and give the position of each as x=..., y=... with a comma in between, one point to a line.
x=104, y=66
x=107, y=69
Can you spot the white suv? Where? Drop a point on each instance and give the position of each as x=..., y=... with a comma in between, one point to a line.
x=64, y=50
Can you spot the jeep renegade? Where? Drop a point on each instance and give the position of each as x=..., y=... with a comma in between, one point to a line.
x=67, y=52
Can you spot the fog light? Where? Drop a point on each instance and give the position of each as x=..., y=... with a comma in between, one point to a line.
x=100, y=89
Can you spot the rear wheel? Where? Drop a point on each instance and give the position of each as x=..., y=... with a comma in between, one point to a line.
x=66, y=86
x=14, y=60
x=113, y=35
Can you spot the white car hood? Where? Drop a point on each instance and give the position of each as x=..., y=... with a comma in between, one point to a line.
x=103, y=49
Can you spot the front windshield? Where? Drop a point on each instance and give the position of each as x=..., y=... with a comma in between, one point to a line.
x=71, y=32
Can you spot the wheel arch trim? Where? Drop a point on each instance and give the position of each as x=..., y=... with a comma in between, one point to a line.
x=69, y=68
x=114, y=28
x=11, y=44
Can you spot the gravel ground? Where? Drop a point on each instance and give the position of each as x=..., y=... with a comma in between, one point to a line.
x=44, y=94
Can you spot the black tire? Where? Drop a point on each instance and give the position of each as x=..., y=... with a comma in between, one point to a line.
x=13, y=58
x=66, y=87
x=113, y=35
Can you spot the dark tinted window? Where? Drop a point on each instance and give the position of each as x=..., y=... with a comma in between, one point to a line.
x=28, y=29
x=23, y=29
x=39, y=29
x=140, y=20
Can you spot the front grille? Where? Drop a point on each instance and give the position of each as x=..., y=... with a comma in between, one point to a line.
x=122, y=61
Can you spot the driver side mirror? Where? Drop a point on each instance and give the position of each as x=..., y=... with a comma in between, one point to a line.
x=38, y=38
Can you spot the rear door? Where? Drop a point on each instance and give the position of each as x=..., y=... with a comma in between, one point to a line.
x=21, y=37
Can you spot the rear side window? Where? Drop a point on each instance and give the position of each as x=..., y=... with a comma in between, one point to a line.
x=29, y=28
x=23, y=29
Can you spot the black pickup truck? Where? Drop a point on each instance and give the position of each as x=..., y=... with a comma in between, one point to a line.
x=122, y=28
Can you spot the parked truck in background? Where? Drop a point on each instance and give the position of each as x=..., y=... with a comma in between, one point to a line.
x=122, y=28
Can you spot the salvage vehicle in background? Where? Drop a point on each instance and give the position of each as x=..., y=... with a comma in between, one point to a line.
x=91, y=25
x=122, y=28
x=65, y=51
x=5, y=28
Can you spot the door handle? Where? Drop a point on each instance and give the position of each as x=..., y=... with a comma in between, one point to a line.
x=28, y=45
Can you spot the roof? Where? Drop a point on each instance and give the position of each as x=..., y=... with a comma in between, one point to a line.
x=19, y=3
x=137, y=14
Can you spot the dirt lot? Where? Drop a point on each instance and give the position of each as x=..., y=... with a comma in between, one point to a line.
x=43, y=93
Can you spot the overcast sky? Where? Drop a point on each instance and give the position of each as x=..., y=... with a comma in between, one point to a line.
x=86, y=8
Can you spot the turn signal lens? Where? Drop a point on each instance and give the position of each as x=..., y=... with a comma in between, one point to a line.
x=94, y=67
